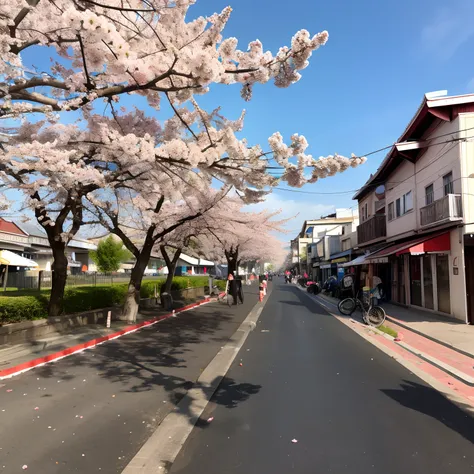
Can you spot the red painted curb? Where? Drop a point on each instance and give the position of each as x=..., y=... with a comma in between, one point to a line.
x=17, y=369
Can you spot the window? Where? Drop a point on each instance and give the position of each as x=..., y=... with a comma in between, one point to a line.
x=448, y=184
x=407, y=202
x=390, y=212
x=403, y=205
x=429, y=194
x=398, y=208
x=364, y=213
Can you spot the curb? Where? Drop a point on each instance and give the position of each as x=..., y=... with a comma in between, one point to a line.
x=415, y=331
x=25, y=366
x=460, y=401
x=160, y=450
x=431, y=338
x=461, y=376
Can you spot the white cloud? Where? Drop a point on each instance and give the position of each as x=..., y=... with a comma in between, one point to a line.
x=449, y=29
x=298, y=210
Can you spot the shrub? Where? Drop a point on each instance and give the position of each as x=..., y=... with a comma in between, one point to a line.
x=147, y=289
x=24, y=305
x=22, y=308
x=87, y=298
x=221, y=284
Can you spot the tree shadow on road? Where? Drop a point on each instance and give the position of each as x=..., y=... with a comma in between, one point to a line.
x=168, y=356
x=430, y=402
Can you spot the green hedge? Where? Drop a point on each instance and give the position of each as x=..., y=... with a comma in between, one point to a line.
x=28, y=306
x=14, y=309
x=87, y=298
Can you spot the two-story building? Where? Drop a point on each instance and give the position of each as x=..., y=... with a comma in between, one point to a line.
x=417, y=211
x=30, y=241
x=319, y=241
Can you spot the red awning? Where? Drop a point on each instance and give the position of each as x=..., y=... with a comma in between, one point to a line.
x=440, y=243
x=430, y=243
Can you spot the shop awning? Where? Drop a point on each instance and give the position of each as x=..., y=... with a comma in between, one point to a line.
x=362, y=260
x=339, y=255
x=430, y=243
x=441, y=243
x=15, y=260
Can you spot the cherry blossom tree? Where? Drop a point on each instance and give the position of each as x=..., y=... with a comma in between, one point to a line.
x=129, y=161
x=113, y=47
x=55, y=167
x=4, y=204
x=234, y=236
x=148, y=221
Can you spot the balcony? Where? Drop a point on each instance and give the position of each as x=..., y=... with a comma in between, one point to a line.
x=373, y=229
x=446, y=209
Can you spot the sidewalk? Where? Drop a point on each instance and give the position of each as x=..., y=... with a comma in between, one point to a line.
x=92, y=412
x=440, y=343
x=35, y=352
x=444, y=330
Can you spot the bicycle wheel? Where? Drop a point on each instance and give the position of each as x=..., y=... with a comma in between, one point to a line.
x=346, y=306
x=375, y=316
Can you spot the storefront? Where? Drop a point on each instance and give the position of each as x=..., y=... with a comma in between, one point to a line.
x=419, y=271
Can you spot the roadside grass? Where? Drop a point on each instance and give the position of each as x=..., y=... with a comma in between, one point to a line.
x=388, y=330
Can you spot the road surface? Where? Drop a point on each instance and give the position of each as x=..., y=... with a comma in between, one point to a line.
x=93, y=411
x=312, y=397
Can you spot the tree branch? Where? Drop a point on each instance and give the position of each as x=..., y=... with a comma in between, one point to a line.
x=180, y=118
x=89, y=84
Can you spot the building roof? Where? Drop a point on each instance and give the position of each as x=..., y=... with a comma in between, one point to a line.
x=10, y=227
x=32, y=229
x=432, y=109
x=324, y=221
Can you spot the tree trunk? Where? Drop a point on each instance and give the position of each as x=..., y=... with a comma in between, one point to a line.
x=232, y=256
x=171, y=266
x=59, y=277
x=132, y=301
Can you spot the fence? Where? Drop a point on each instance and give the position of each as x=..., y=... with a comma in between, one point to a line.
x=30, y=279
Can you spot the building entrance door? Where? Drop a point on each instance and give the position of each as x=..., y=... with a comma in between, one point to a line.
x=415, y=280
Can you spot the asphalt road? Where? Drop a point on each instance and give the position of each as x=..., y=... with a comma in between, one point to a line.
x=93, y=411
x=351, y=408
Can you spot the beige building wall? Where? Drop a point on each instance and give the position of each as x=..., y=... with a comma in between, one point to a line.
x=457, y=283
x=437, y=161
x=467, y=169
x=370, y=201
x=399, y=183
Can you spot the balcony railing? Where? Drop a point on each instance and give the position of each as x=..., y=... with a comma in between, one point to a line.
x=372, y=229
x=448, y=208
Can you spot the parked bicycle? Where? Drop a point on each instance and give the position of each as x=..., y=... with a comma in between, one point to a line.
x=372, y=315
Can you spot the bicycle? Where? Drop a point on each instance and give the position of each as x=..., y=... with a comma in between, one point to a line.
x=372, y=315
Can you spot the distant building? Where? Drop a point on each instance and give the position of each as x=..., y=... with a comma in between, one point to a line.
x=318, y=241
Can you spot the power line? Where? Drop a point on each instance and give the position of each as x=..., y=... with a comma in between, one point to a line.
x=375, y=182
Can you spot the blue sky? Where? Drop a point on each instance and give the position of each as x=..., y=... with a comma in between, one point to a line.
x=359, y=91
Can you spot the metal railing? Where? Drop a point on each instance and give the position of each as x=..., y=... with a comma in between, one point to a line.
x=373, y=228
x=448, y=208
x=29, y=280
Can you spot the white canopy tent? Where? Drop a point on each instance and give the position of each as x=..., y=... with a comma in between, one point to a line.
x=11, y=259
